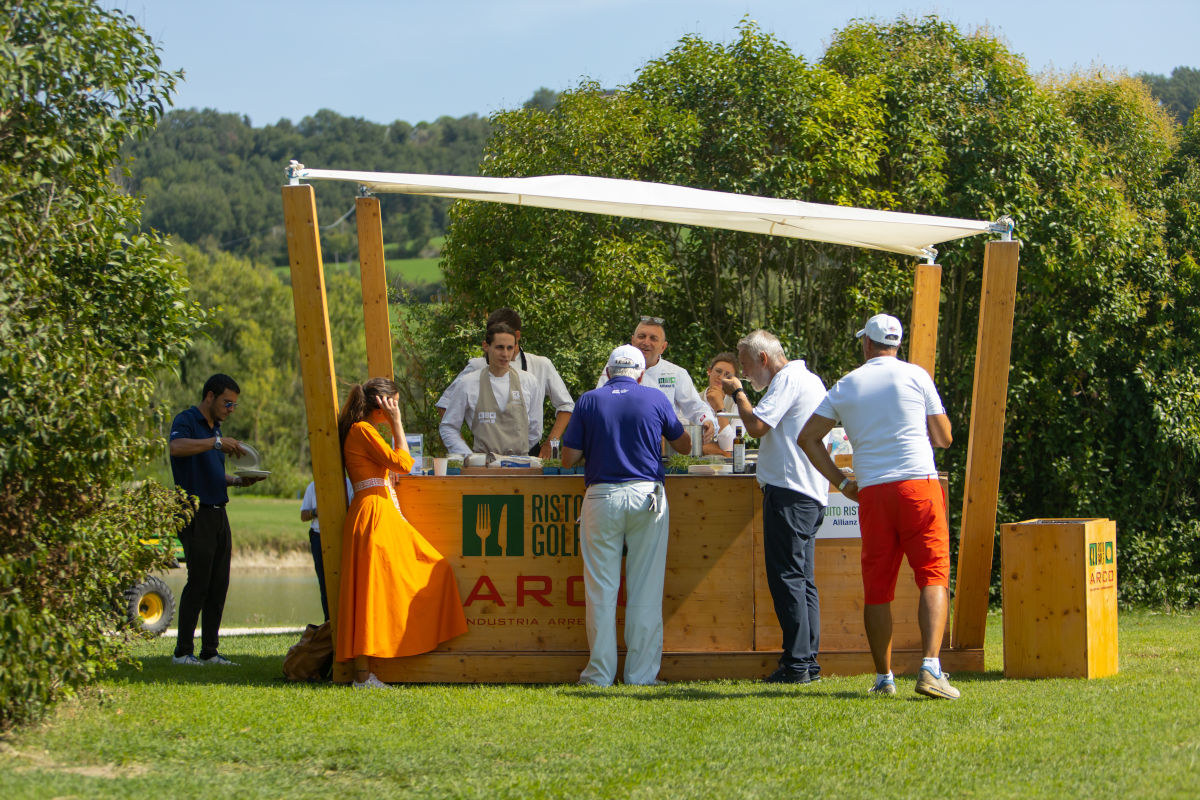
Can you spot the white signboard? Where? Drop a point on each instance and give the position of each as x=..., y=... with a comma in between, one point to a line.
x=841, y=518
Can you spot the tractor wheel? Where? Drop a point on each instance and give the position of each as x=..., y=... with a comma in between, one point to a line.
x=151, y=604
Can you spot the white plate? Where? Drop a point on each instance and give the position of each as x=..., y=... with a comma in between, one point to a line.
x=248, y=460
x=252, y=473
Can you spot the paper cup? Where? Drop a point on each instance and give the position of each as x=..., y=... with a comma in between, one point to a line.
x=439, y=466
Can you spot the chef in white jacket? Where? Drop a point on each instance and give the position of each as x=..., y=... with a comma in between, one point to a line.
x=493, y=402
x=548, y=384
x=671, y=379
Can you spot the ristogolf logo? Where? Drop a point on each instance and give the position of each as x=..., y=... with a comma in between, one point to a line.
x=493, y=525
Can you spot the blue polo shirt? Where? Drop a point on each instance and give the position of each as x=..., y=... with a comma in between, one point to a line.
x=203, y=474
x=619, y=427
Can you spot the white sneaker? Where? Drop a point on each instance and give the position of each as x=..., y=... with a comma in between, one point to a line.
x=189, y=660
x=371, y=683
x=219, y=660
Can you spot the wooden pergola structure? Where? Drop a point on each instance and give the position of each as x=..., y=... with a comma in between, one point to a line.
x=988, y=402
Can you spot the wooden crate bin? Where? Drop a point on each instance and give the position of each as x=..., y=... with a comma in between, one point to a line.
x=1059, y=589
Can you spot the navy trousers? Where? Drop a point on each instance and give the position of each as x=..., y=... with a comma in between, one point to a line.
x=314, y=546
x=790, y=522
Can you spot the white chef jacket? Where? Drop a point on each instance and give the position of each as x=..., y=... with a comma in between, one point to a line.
x=549, y=382
x=462, y=396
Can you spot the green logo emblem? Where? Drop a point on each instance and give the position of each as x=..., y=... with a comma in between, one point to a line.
x=493, y=525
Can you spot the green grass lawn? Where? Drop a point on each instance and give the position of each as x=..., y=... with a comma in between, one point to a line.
x=415, y=270
x=266, y=524
x=210, y=732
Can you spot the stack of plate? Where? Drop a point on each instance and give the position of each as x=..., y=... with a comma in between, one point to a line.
x=247, y=464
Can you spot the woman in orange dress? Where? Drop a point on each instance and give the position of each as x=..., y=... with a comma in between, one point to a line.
x=398, y=596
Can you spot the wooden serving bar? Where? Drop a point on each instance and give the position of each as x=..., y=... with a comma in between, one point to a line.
x=523, y=589
x=520, y=575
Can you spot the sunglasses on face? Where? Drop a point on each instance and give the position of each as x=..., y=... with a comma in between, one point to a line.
x=230, y=404
x=652, y=320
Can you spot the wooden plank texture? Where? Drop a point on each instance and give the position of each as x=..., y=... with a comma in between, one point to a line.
x=1059, y=587
x=564, y=667
x=923, y=327
x=373, y=265
x=316, y=370
x=981, y=484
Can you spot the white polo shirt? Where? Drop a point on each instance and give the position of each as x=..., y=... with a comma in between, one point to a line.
x=884, y=405
x=462, y=397
x=675, y=382
x=548, y=383
x=792, y=396
x=309, y=503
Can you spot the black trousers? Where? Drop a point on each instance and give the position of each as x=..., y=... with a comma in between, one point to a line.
x=314, y=544
x=207, y=547
x=790, y=522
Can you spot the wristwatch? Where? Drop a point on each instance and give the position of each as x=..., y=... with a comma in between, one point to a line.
x=217, y=442
x=738, y=391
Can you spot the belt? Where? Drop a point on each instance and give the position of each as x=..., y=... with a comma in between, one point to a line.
x=212, y=505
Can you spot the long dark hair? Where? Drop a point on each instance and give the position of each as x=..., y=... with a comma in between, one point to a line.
x=362, y=400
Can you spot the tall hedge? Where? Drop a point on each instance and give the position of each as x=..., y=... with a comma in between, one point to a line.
x=89, y=312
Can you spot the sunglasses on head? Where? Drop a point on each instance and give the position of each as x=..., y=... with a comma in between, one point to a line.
x=652, y=320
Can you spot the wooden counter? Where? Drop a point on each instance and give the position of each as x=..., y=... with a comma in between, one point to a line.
x=522, y=584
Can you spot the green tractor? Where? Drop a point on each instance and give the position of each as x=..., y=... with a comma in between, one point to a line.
x=150, y=603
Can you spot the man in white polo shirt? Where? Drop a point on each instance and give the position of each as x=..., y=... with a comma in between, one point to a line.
x=794, y=495
x=894, y=418
x=671, y=379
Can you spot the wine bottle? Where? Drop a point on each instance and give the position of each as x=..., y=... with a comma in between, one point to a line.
x=739, y=450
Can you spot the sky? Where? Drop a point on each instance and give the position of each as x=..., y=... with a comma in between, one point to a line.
x=417, y=60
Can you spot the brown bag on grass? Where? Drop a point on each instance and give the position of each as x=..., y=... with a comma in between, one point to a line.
x=311, y=658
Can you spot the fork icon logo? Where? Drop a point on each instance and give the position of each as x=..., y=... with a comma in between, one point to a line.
x=493, y=525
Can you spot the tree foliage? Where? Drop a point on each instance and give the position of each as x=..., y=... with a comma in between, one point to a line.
x=89, y=311
x=250, y=333
x=212, y=179
x=911, y=115
x=1179, y=94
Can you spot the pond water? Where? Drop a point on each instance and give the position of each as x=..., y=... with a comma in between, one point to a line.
x=263, y=597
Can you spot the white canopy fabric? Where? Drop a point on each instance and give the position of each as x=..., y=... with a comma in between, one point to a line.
x=909, y=234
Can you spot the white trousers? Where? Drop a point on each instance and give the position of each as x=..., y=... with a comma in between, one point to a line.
x=633, y=515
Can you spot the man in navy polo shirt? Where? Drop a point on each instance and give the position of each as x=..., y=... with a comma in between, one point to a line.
x=198, y=466
x=619, y=429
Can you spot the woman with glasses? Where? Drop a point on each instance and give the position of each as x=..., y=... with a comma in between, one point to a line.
x=398, y=596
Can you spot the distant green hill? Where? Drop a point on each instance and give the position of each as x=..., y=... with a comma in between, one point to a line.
x=212, y=179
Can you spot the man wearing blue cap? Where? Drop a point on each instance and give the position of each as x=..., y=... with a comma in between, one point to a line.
x=619, y=429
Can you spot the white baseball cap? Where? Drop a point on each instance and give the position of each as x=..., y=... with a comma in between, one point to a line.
x=882, y=329
x=626, y=357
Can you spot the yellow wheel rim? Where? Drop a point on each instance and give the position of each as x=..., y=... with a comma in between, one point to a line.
x=150, y=608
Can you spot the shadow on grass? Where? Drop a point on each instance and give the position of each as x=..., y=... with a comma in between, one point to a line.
x=250, y=671
x=716, y=691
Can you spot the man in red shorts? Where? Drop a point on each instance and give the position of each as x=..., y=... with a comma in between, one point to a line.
x=894, y=418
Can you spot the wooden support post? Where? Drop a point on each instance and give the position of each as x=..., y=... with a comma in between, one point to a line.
x=374, y=288
x=316, y=370
x=923, y=327
x=981, y=486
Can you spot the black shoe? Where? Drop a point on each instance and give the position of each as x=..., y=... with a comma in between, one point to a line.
x=788, y=675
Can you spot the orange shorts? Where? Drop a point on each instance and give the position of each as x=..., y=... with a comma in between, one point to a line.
x=903, y=518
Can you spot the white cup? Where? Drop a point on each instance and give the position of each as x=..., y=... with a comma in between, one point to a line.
x=439, y=466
